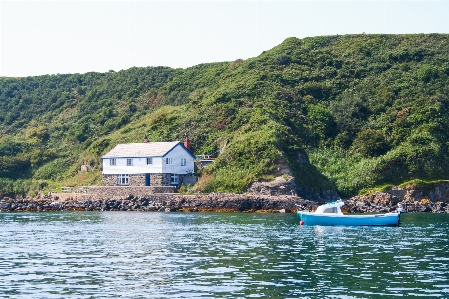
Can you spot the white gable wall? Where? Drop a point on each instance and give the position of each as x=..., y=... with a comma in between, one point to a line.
x=176, y=154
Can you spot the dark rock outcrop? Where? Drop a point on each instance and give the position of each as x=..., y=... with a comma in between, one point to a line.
x=160, y=202
x=286, y=186
x=411, y=200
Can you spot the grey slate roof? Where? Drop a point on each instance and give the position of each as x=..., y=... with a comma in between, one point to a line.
x=150, y=149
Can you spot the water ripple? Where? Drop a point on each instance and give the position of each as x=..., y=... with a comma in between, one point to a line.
x=177, y=255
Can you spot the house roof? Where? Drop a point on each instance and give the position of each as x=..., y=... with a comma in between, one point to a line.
x=150, y=149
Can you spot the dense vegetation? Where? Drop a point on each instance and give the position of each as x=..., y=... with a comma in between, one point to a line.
x=368, y=110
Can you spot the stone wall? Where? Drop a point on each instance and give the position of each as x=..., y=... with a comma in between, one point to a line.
x=134, y=180
x=156, y=179
x=160, y=179
x=109, y=179
x=125, y=191
x=137, y=180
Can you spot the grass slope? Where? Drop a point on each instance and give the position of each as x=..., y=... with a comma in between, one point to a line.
x=369, y=110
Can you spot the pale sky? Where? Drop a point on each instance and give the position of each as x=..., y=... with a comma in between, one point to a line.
x=50, y=37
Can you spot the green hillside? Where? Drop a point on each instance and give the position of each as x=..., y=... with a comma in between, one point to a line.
x=367, y=110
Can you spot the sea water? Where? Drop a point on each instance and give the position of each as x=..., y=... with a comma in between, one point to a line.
x=218, y=255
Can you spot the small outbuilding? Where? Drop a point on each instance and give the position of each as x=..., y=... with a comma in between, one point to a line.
x=149, y=164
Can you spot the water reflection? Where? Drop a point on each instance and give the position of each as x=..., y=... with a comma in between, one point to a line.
x=176, y=255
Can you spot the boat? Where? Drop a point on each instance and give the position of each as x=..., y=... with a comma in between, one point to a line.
x=401, y=208
x=331, y=214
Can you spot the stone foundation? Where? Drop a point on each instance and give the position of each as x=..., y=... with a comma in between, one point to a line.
x=156, y=179
x=160, y=179
x=136, y=180
x=109, y=179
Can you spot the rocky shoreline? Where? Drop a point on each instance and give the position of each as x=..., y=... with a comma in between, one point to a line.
x=159, y=203
x=215, y=202
x=434, y=200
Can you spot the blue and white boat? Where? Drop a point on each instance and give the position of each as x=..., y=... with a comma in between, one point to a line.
x=330, y=214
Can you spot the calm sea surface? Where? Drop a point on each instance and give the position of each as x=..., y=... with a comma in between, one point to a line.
x=218, y=255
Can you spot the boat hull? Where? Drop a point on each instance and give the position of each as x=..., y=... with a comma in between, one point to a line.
x=388, y=219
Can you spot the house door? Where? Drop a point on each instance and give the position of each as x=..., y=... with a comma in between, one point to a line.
x=147, y=179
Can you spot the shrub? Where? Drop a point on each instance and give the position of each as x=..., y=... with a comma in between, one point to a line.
x=371, y=143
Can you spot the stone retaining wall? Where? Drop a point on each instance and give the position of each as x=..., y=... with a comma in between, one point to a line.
x=125, y=191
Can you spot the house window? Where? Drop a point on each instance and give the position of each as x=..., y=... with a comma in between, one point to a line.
x=149, y=161
x=168, y=161
x=112, y=162
x=174, y=179
x=183, y=162
x=129, y=162
x=123, y=179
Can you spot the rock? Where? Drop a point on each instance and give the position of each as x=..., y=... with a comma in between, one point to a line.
x=285, y=185
x=221, y=202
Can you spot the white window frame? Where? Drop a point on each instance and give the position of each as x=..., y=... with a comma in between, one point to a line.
x=174, y=179
x=129, y=162
x=123, y=179
x=112, y=162
x=169, y=161
x=183, y=161
x=150, y=161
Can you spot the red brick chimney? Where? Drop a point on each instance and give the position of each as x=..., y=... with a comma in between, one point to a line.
x=187, y=141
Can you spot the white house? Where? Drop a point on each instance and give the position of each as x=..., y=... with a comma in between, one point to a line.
x=149, y=164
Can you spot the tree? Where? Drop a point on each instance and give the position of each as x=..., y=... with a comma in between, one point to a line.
x=349, y=113
x=371, y=143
